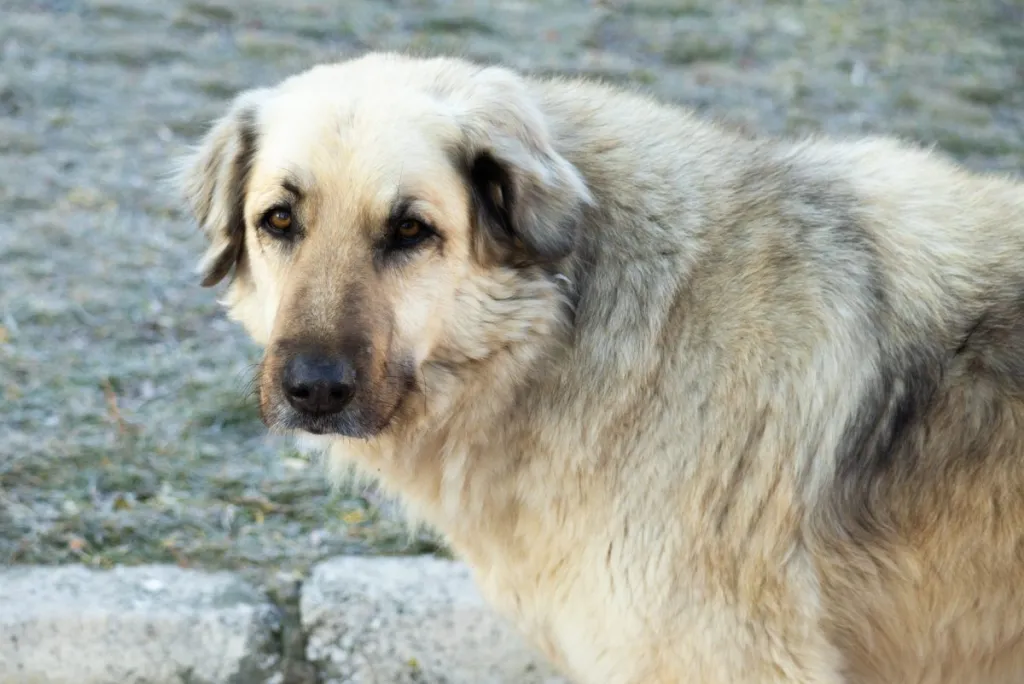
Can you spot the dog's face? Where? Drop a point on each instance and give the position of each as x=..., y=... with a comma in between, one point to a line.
x=377, y=215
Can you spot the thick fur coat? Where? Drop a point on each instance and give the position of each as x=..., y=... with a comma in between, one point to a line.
x=695, y=406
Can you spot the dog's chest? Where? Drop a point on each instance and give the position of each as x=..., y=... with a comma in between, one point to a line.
x=567, y=609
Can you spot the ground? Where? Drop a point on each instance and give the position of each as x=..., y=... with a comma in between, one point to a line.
x=128, y=432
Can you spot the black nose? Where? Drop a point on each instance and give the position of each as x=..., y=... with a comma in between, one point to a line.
x=316, y=384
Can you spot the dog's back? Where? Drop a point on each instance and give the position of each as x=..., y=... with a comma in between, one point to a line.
x=837, y=330
x=921, y=530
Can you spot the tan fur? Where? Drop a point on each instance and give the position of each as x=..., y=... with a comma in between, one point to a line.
x=711, y=408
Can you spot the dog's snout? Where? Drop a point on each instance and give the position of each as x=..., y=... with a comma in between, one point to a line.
x=318, y=385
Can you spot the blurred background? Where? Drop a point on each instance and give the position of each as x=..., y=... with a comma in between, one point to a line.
x=127, y=430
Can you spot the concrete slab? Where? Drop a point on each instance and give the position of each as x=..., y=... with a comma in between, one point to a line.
x=144, y=625
x=406, y=620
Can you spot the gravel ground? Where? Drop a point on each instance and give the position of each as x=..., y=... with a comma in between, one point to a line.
x=127, y=429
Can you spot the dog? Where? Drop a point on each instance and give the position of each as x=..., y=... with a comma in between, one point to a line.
x=694, y=404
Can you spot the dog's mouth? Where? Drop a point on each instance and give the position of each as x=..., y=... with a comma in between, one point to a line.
x=339, y=425
x=320, y=424
x=366, y=417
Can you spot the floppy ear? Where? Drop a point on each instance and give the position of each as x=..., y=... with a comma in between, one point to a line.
x=214, y=181
x=529, y=199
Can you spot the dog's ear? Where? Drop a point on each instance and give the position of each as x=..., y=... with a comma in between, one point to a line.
x=529, y=200
x=214, y=179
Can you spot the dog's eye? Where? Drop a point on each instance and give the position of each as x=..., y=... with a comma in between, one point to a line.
x=278, y=221
x=409, y=229
x=410, y=232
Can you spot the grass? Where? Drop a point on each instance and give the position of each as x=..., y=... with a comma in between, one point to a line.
x=128, y=432
x=695, y=48
x=457, y=25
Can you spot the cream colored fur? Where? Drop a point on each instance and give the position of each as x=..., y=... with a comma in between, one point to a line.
x=744, y=410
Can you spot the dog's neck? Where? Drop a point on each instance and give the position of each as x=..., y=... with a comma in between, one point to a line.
x=483, y=426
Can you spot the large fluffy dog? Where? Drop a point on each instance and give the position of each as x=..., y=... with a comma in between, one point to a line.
x=695, y=407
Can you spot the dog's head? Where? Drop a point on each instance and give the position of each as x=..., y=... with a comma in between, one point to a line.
x=377, y=215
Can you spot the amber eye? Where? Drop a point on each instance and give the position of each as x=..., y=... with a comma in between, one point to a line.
x=410, y=233
x=409, y=229
x=279, y=221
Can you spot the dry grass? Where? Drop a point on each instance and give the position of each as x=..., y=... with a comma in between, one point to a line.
x=126, y=433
